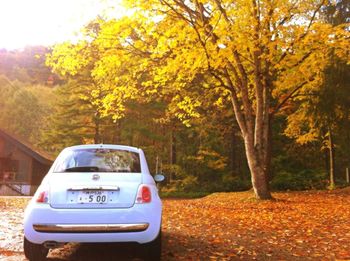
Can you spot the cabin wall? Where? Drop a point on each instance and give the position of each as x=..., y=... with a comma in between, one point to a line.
x=25, y=163
x=14, y=163
x=20, y=172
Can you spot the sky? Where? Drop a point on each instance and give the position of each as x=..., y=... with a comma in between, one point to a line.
x=45, y=22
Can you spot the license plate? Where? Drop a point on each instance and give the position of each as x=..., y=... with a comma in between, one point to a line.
x=93, y=197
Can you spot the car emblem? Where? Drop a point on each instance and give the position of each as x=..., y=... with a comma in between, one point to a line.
x=95, y=177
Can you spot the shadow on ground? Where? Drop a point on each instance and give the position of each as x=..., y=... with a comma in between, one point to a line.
x=97, y=252
x=175, y=247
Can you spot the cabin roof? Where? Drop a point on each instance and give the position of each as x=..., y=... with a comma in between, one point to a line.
x=27, y=148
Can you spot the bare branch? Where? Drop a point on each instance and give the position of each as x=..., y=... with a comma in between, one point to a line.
x=180, y=15
x=289, y=96
x=223, y=11
x=298, y=62
x=235, y=73
x=304, y=34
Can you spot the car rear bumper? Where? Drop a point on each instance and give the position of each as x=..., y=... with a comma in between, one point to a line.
x=90, y=228
x=140, y=223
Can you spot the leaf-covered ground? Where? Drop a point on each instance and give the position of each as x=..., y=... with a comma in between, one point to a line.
x=222, y=226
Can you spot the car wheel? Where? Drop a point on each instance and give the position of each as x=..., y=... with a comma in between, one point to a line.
x=34, y=252
x=153, y=250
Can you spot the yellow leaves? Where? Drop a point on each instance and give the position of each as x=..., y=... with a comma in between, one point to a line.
x=113, y=105
x=185, y=108
x=67, y=58
x=211, y=158
x=168, y=49
x=301, y=127
x=219, y=102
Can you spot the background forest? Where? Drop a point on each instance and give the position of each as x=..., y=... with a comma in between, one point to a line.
x=198, y=146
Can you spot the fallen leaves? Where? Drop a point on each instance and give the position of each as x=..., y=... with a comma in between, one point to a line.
x=296, y=226
x=11, y=228
x=230, y=226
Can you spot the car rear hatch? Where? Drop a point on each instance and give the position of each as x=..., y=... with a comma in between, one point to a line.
x=93, y=190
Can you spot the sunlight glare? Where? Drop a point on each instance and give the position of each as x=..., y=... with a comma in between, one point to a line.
x=45, y=22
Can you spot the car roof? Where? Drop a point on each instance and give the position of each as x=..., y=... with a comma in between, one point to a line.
x=104, y=146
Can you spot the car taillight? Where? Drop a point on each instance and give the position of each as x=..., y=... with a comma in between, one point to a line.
x=43, y=197
x=143, y=195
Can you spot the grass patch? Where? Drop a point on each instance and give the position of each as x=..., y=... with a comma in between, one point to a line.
x=181, y=194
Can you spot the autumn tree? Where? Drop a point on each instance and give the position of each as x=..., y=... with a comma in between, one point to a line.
x=324, y=110
x=24, y=108
x=321, y=114
x=255, y=55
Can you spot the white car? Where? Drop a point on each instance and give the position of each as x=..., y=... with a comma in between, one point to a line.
x=95, y=193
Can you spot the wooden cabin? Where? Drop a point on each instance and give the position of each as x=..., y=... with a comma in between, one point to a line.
x=22, y=167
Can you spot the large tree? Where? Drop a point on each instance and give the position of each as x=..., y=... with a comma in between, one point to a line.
x=253, y=54
x=258, y=54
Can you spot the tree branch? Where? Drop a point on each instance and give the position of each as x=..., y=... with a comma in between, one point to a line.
x=290, y=95
x=304, y=34
x=223, y=11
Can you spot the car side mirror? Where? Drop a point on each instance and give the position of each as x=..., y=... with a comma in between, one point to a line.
x=158, y=178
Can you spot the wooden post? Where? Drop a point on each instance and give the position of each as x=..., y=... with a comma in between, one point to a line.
x=347, y=176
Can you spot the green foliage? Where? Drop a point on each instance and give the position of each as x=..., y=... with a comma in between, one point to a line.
x=75, y=119
x=181, y=194
x=322, y=113
x=187, y=184
x=24, y=108
x=191, y=184
x=235, y=183
x=301, y=180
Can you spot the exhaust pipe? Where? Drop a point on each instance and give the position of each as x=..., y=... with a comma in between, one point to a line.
x=52, y=244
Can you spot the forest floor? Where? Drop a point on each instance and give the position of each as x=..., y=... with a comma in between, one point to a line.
x=312, y=225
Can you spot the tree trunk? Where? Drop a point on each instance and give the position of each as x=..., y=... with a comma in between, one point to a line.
x=233, y=153
x=268, y=158
x=259, y=175
x=331, y=160
x=257, y=145
x=173, y=147
x=172, y=151
x=260, y=183
x=97, y=128
x=116, y=133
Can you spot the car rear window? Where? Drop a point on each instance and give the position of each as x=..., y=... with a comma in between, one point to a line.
x=98, y=160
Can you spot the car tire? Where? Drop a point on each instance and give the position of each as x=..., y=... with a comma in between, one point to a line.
x=153, y=249
x=34, y=252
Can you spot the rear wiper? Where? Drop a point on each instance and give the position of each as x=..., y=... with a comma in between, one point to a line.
x=82, y=169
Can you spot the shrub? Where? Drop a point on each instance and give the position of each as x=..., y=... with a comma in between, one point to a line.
x=302, y=180
x=181, y=194
x=235, y=183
